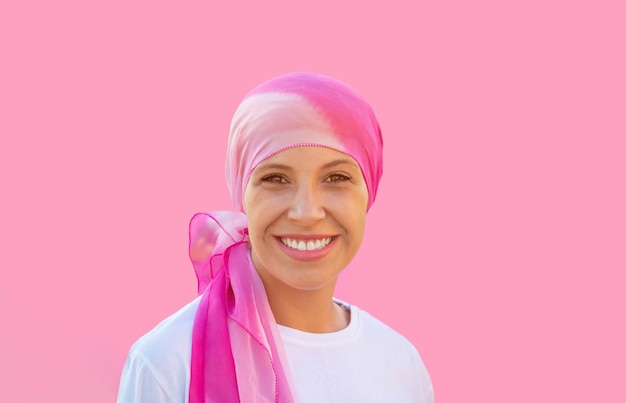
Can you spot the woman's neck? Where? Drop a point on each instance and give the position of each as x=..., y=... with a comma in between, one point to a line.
x=312, y=311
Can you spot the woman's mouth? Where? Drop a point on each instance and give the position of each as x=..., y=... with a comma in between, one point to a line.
x=308, y=244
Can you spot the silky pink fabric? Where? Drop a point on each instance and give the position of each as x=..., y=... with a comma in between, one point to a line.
x=237, y=354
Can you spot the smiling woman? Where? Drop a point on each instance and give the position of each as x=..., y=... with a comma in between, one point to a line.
x=303, y=164
x=319, y=198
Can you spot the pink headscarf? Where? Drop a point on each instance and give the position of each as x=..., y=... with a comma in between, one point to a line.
x=237, y=353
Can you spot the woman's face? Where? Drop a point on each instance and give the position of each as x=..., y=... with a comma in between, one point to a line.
x=306, y=216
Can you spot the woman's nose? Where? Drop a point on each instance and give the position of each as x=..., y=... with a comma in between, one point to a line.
x=307, y=207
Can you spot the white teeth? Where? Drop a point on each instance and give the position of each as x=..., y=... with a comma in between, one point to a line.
x=308, y=245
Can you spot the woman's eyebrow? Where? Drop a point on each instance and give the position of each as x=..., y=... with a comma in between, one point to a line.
x=274, y=165
x=340, y=162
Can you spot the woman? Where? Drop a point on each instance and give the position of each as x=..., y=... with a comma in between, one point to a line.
x=303, y=164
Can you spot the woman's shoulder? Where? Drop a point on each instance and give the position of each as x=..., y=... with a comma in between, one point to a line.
x=386, y=339
x=373, y=327
x=168, y=344
x=171, y=337
x=392, y=352
x=157, y=366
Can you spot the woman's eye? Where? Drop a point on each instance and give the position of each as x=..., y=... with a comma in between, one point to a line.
x=274, y=179
x=338, y=178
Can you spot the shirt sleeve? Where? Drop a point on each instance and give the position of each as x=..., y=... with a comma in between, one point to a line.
x=140, y=383
x=429, y=396
x=426, y=385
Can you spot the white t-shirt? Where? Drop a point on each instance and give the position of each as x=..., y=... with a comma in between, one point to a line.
x=365, y=362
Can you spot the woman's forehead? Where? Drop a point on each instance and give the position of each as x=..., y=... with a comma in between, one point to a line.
x=309, y=156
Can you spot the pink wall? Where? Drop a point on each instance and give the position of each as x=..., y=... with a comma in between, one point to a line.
x=497, y=243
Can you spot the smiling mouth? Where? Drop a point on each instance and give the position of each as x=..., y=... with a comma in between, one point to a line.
x=299, y=244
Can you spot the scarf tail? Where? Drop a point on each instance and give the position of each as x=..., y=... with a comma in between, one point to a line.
x=235, y=328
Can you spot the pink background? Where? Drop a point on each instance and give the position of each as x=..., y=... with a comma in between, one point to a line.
x=497, y=244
